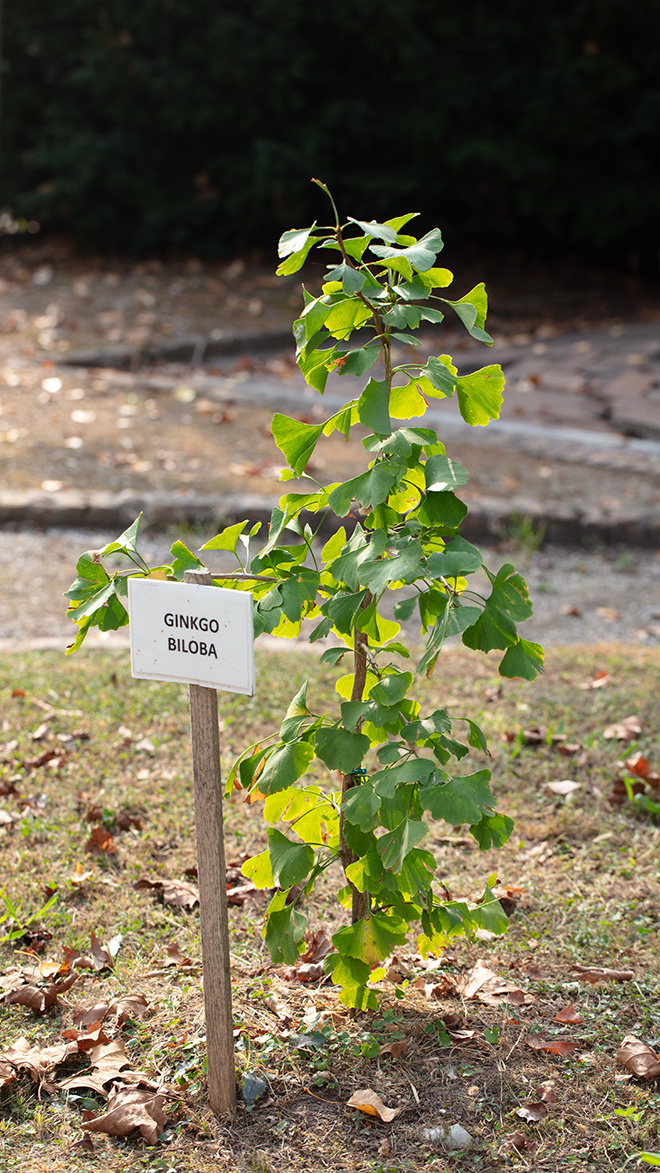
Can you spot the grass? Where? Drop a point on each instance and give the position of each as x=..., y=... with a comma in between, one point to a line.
x=589, y=874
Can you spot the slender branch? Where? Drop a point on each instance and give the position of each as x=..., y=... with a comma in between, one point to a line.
x=382, y=333
x=242, y=577
x=360, y=901
x=326, y=189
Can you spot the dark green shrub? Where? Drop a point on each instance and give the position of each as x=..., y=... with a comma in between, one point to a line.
x=192, y=124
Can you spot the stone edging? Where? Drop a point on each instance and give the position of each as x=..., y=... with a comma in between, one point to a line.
x=488, y=518
x=197, y=348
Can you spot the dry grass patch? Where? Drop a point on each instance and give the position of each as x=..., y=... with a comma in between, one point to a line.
x=101, y=798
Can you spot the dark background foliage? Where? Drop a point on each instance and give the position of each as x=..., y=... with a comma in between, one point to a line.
x=197, y=124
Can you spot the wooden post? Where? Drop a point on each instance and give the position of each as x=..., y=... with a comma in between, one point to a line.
x=205, y=739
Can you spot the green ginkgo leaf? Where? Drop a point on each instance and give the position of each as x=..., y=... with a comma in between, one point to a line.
x=291, y=862
x=371, y=939
x=340, y=749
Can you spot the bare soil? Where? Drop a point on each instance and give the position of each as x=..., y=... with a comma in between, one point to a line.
x=203, y=429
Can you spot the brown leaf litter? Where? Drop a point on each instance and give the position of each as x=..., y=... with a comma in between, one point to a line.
x=638, y=1058
x=179, y=893
x=370, y=1103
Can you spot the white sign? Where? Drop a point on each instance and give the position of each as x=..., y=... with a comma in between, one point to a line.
x=193, y=634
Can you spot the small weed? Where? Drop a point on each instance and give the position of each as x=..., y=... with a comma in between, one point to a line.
x=19, y=920
x=524, y=534
x=626, y=562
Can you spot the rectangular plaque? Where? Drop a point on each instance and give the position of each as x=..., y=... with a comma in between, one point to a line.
x=193, y=634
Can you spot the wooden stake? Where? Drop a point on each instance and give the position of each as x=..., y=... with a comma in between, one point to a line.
x=205, y=738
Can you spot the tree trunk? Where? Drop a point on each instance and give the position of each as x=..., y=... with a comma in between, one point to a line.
x=360, y=901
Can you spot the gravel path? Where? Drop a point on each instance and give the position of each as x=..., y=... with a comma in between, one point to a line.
x=617, y=593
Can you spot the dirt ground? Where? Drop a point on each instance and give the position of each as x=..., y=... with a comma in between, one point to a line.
x=202, y=427
x=580, y=597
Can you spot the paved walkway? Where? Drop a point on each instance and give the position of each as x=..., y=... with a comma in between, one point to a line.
x=577, y=448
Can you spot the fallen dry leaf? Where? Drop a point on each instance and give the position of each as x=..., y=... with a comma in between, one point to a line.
x=638, y=764
x=92, y=1035
x=179, y=893
x=128, y=1109
x=570, y=609
x=94, y=1081
x=319, y=946
x=124, y=1008
x=53, y=758
x=397, y=969
x=533, y=1112
x=94, y=813
x=99, y=957
x=509, y=896
x=446, y=986
x=547, y=1093
x=13, y=978
x=101, y=841
x=24, y=986
x=596, y=973
x=65, y=982
x=533, y=736
x=239, y=894
x=485, y=986
x=103, y=955
x=516, y=1140
x=537, y=1109
x=109, y=1063
x=79, y=875
x=176, y=957
x=637, y=1057
x=37, y=1061
x=312, y=972
x=453, y=1022
x=310, y=967
x=279, y=1007
x=626, y=730
x=618, y=795
x=127, y=820
x=600, y=680
x=86, y=1145
x=37, y=998
x=130, y=1005
x=396, y=1049
x=371, y=1104
x=552, y=1046
x=84, y=1016
x=563, y=787
x=569, y=1014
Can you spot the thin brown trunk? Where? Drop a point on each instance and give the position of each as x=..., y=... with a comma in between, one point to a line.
x=360, y=901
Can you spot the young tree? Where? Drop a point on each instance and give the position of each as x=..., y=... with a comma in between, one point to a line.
x=398, y=767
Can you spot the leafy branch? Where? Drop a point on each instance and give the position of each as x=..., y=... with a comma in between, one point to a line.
x=401, y=540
